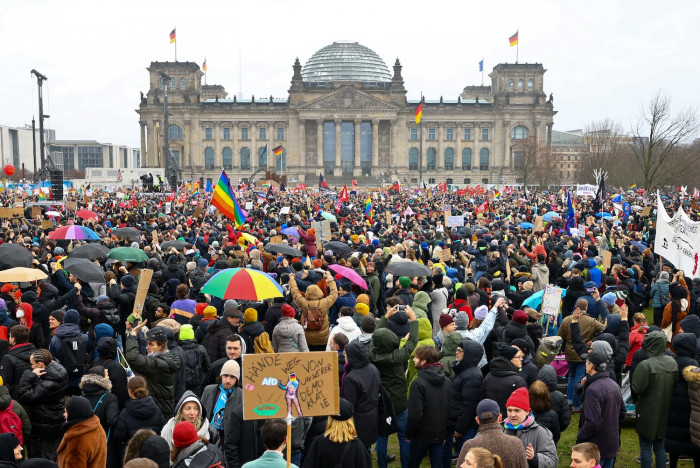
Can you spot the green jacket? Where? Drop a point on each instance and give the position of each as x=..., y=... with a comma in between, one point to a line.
x=425, y=337
x=448, y=353
x=376, y=287
x=159, y=372
x=421, y=305
x=652, y=384
x=389, y=359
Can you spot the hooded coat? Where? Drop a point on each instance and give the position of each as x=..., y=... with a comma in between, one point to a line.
x=691, y=324
x=678, y=439
x=142, y=413
x=36, y=333
x=97, y=390
x=7, y=453
x=360, y=386
x=45, y=397
x=540, y=276
x=559, y=403
x=288, y=336
x=421, y=305
x=347, y=326
x=314, y=298
x=653, y=382
x=466, y=388
x=425, y=337
x=448, y=353
x=64, y=331
x=84, y=442
x=205, y=430
x=692, y=377
x=501, y=381
x=13, y=364
x=428, y=405
x=215, y=340
x=106, y=357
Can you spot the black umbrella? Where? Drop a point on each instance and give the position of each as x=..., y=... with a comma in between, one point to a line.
x=283, y=249
x=15, y=255
x=178, y=244
x=338, y=248
x=89, y=251
x=130, y=233
x=409, y=269
x=84, y=270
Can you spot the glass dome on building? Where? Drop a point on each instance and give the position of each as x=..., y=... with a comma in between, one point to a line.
x=345, y=61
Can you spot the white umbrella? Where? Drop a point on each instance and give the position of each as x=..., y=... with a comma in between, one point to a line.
x=53, y=213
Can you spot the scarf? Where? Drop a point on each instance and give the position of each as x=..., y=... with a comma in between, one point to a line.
x=217, y=419
x=528, y=421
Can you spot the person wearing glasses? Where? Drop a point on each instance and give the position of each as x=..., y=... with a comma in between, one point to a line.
x=503, y=379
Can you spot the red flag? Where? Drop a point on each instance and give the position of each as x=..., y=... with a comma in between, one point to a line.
x=396, y=187
x=134, y=202
x=354, y=182
x=300, y=187
x=322, y=181
x=461, y=192
x=442, y=187
x=483, y=207
x=342, y=198
x=170, y=197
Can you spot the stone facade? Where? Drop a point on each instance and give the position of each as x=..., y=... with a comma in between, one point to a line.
x=348, y=129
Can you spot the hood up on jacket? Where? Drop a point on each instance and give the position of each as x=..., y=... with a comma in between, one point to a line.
x=449, y=346
x=548, y=375
x=690, y=324
x=473, y=352
x=655, y=343
x=314, y=293
x=5, y=398
x=188, y=396
x=685, y=345
x=384, y=341
x=357, y=355
x=93, y=383
x=421, y=301
x=48, y=292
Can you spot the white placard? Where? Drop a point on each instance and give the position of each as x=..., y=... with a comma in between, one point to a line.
x=586, y=190
x=455, y=221
x=551, y=298
x=168, y=207
x=248, y=205
x=284, y=210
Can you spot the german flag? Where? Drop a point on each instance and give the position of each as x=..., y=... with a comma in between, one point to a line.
x=419, y=112
x=514, y=39
x=172, y=36
x=204, y=65
x=277, y=150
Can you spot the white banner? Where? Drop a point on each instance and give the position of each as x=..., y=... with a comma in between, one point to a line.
x=678, y=240
x=455, y=221
x=586, y=190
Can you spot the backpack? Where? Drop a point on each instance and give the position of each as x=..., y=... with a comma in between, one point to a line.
x=10, y=422
x=314, y=319
x=262, y=344
x=73, y=356
x=111, y=317
x=208, y=458
x=387, y=417
x=194, y=375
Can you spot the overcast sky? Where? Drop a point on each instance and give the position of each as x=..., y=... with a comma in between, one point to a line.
x=603, y=58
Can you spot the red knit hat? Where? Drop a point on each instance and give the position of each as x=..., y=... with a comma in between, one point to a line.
x=520, y=316
x=199, y=308
x=519, y=399
x=445, y=320
x=185, y=434
x=288, y=311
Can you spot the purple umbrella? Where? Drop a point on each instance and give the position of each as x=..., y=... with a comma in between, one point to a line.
x=290, y=231
x=350, y=274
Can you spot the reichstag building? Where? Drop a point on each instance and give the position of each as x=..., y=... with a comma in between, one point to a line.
x=346, y=116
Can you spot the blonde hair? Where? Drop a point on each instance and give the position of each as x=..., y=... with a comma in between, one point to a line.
x=197, y=422
x=640, y=318
x=485, y=459
x=340, y=431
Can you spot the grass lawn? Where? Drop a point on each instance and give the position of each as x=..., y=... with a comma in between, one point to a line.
x=629, y=449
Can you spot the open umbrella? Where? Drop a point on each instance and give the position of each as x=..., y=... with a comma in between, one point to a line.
x=338, y=248
x=640, y=245
x=244, y=284
x=74, y=232
x=409, y=269
x=248, y=237
x=21, y=274
x=90, y=251
x=350, y=274
x=548, y=216
x=535, y=301
x=526, y=225
x=128, y=254
x=15, y=255
x=84, y=270
x=290, y=231
x=283, y=249
x=86, y=214
x=604, y=215
x=54, y=214
x=178, y=244
x=329, y=216
x=129, y=233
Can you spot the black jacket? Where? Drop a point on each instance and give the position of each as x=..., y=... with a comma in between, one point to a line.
x=243, y=442
x=249, y=332
x=603, y=411
x=428, y=405
x=559, y=403
x=324, y=452
x=215, y=340
x=13, y=364
x=273, y=316
x=96, y=389
x=106, y=355
x=125, y=301
x=173, y=271
x=138, y=414
x=45, y=398
x=501, y=381
x=466, y=388
x=550, y=420
x=678, y=428
x=360, y=386
x=192, y=347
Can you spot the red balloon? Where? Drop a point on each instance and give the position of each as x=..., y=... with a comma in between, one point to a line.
x=9, y=170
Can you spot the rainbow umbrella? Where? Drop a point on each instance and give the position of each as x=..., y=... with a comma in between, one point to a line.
x=244, y=284
x=74, y=232
x=86, y=214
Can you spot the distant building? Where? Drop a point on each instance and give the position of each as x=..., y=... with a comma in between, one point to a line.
x=346, y=116
x=72, y=155
x=17, y=147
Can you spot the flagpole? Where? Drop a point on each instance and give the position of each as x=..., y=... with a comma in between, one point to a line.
x=517, y=46
x=176, y=44
x=420, y=157
x=482, y=71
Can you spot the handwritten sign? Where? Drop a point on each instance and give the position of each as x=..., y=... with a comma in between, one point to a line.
x=323, y=230
x=455, y=221
x=607, y=259
x=551, y=298
x=539, y=224
x=645, y=212
x=36, y=212
x=300, y=384
x=71, y=205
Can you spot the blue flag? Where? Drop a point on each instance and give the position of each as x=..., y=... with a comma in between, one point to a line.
x=570, y=214
x=481, y=65
x=207, y=187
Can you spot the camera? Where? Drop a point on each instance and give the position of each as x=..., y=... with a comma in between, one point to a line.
x=401, y=308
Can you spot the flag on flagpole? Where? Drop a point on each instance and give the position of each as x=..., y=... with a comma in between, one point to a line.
x=396, y=187
x=277, y=150
x=207, y=187
x=514, y=39
x=172, y=36
x=570, y=214
x=204, y=65
x=481, y=65
x=225, y=200
x=419, y=112
x=633, y=186
x=322, y=182
x=344, y=197
x=369, y=212
x=195, y=192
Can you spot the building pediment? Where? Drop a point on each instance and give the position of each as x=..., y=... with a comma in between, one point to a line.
x=348, y=99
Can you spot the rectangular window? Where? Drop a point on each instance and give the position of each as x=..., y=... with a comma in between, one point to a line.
x=244, y=133
x=431, y=180
x=262, y=133
x=208, y=133
x=280, y=133
x=63, y=156
x=227, y=133
x=467, y=133
x=431, y=134
x=449, y=134
x=125, y=157
x=485, y=134
x=111, y=156
x=328, y=146
x=414, y=134
x=91, y=156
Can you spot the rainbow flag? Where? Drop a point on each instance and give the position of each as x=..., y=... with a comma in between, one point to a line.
x=265, y=184
x=195, y=192
x=496, y=195
x=226, y=202
x=369, y=212
x=41, y=195
x=633, y=186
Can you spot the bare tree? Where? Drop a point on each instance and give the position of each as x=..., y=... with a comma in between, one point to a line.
x=525, y=155
x=604, y=142
x=659, y=142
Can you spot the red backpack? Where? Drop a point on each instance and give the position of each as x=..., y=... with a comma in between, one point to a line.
x=10, y=422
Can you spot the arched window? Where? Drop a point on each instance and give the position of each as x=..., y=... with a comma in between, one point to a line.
x=520, y=83
x=227, y=158
x=510, y=82
x=449, y=159
x=530, y=83
x=245, y=159
x=467, y=159
x=183, y=82
x=484, y=159
x=209, y=158
x=175, y=132
x=262, y=156
x=519, y=133
x=413, y=159
x=431, y=159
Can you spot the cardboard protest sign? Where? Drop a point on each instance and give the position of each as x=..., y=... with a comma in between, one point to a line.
x=197, y=212
x=275, y=240
x=551, y=298
x=142, y=290
x=323, y=230
x=607, y=259
x=387, y=215
x=5, y=213
x=290, y=384
x=539, y=224
x=646, y=212
x=71, y=205
x=36, y=212
x=46, y=224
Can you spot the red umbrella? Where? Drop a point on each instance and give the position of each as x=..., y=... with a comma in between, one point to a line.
x=350, y=274
x=87, y=214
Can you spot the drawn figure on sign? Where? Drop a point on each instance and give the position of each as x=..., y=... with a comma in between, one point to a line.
x=665, y=244
x=291, y=388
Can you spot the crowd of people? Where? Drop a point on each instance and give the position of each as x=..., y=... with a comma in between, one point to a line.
x=455, y=355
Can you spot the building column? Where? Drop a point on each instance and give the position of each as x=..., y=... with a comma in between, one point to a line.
x=299, y=157
x=375, y=143
x=392, y=145
x=357, y=169
x=338, y=170
x=143, y=142
x=439, y=157
x=549, y=134
x=235, y=147
x=218, y=157
x=319, y=145
x=255, y=162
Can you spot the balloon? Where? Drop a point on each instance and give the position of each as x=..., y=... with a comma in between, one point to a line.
x=9, y=170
